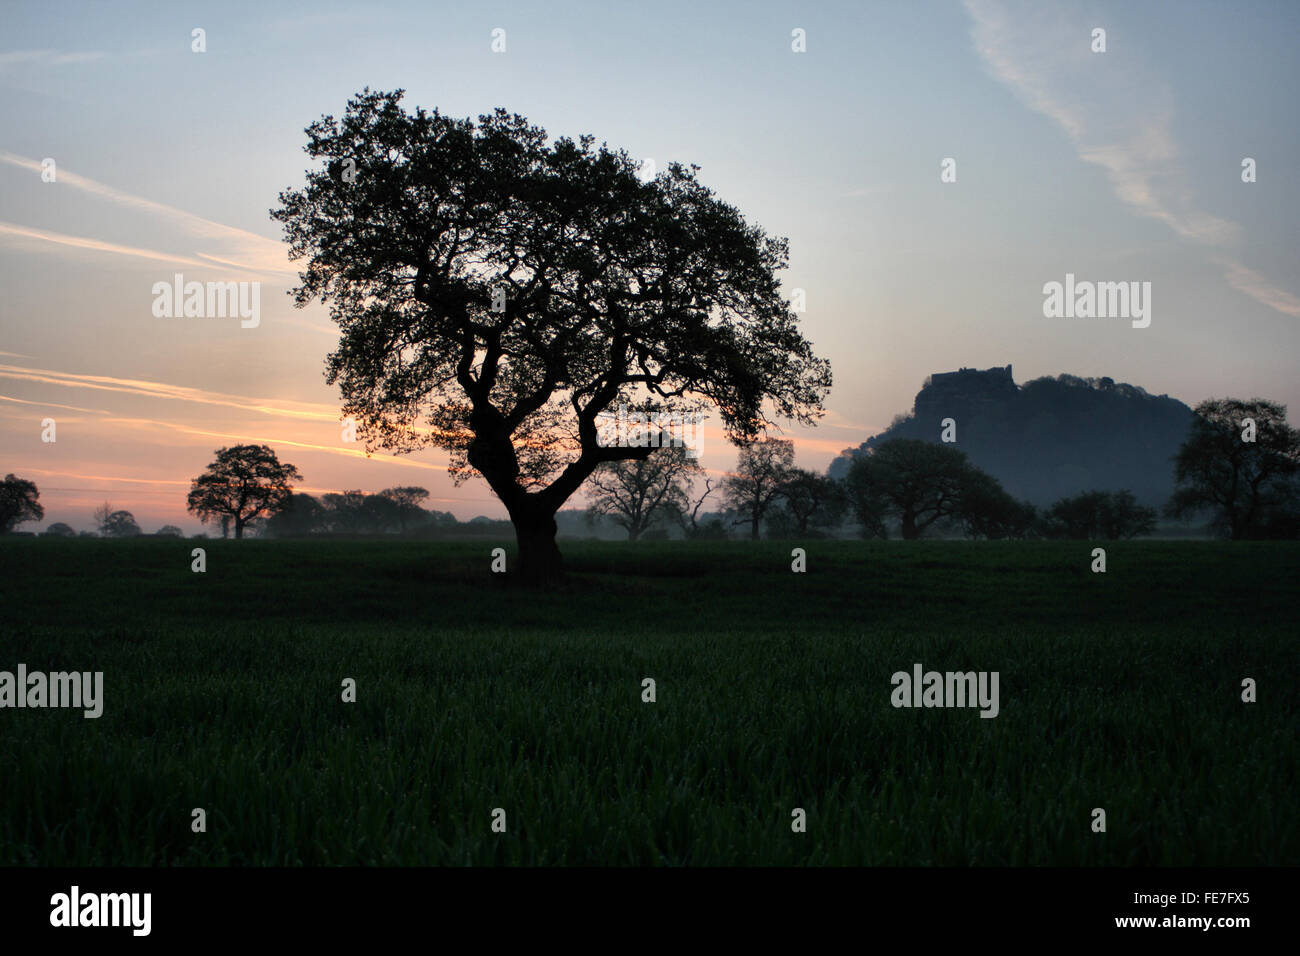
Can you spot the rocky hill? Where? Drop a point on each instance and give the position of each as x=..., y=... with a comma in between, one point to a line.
x=1050, y=437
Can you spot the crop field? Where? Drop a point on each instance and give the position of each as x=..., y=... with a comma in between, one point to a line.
x=224, y=691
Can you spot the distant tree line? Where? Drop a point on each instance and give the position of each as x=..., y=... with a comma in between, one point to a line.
x=391, y=511
x=905, y=486
x=1239, y=468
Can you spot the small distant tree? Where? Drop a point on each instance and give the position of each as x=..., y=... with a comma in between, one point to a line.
x=170, y=531
x=300, y=514
x=18, y=503
x=692, y=526
x=1238, y=482
x=437, y=522
x=712, y=527
x=986, y=510
x=811, y=500
x=1101, y=515
x=916, y=481
x=761, y=473
x=380, y=515
x=1122, y=517
x=344, y=511
x=60, y=530
x=243, y=482
x=119, y=524
x=408, y=502
x=924, y=484
x=101, y=516
x=1074, y=518
x=637, y=493
x=865, y=500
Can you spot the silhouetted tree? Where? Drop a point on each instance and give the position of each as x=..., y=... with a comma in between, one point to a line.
x=243, y=482
x=761, y=473
x=916, y=481
x=380, y=515
x=299, y=514
x=345, y=511
x=355, y=512
x=408, y=503
x=986, y=510
x=101, y=516
x=1105, y=515
x=865, y=499
x=1122, y=517
x=496, y=293
x=18, y=503
x=1239, y=482
x=811, y=500
x=635, y=494
x=170, y=531
x=61, y=530
x=711, y=527
x=118, y=524
x=689, y=517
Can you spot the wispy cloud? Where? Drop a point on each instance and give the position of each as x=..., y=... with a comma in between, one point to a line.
x=1119, y=118
x=84, y=477
x=836, y=420
x=245, y=250
x=39, y=236
x=312, y=411
x=12, y=58
x=70, y=408
x=171, y=428
x=1257, y=287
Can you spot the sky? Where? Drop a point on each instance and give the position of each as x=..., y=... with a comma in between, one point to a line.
x=1115, y=166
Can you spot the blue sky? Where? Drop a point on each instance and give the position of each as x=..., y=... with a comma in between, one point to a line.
x=1115, y=166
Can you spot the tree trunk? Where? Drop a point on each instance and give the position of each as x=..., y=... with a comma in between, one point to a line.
x=239, y=528
x=910, y=532
x=540, y=563
x=753, y=527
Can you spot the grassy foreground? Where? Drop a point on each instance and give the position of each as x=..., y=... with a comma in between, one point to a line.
x=222, y=691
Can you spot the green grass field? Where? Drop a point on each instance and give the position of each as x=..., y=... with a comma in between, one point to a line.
x=222, y=691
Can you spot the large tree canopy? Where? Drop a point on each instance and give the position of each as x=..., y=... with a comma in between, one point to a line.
x=495, y=293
